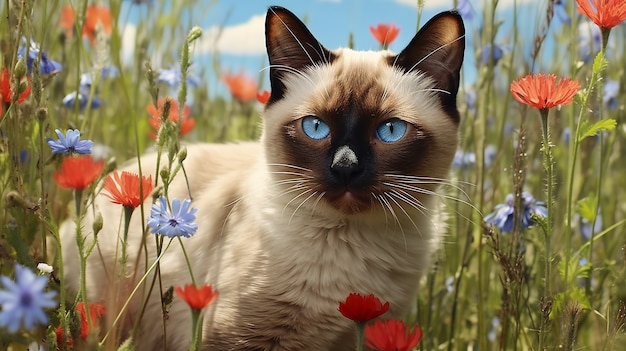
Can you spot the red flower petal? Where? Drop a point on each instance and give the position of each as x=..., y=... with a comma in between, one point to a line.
x=263, y=97
x=361, y=308
x=7, y=91
x=241, y=87
x=543, y=91
x=124, y=188
x=78, y=172
x=186, y=125
x=197, y=298
x=391, y=335
x=385, y=34
x=604, y=13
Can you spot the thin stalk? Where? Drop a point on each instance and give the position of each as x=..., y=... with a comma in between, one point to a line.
x=549, y=168
x=130, y=296
x=196, y=327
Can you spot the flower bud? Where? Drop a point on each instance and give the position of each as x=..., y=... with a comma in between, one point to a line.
x=182, y=154
x=98, y=223
x=42, y=114
x=23, y=86
x=194, y=34
x=20, y=68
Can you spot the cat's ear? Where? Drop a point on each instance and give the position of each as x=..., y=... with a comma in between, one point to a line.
x=290, y=47
x=437, y=50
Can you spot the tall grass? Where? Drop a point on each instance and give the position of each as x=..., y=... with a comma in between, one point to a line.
x=558, y=284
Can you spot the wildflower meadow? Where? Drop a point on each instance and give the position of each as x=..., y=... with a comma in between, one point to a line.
x=534, y=256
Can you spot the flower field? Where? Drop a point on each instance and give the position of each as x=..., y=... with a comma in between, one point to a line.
x=534, y=257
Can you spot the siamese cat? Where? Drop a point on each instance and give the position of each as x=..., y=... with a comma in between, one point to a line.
x=339, y=196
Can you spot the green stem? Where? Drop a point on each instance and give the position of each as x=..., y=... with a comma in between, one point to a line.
x=128, y=213
x=182, y=246
x=360, y=336
x=80, y=243
x=196, y=327
x=549, y=168
x=130, y=296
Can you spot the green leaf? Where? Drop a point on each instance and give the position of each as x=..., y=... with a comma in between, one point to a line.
x=587, y=208
x=588, y=130
x=578, y=294
x=599, y=63
x=557, y=305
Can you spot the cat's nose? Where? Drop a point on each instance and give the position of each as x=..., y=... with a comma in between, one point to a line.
x=345, y=164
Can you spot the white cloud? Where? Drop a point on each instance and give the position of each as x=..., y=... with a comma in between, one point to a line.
x=448, y=4
x=428, y=4
x=242, y=39
x=128, y=43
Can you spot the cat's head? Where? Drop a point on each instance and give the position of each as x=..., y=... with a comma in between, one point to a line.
x=355, y=131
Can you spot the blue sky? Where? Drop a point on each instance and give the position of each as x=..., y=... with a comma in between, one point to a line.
x=241, y=43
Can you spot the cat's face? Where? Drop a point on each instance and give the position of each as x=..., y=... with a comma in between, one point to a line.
x=357, y=131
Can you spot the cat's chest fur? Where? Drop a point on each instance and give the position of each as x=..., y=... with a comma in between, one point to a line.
x=282, y=268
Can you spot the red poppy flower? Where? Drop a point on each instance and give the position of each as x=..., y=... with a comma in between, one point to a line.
x=543, y=91
x=263, y=97
x=241, y=87
x=361, y=309
x=94, y=17
x=197, y=298
x=604, y=13
x=96, y=311
x=78, y=172
x=385, y=34
x=391, y=335
x=186, y=125
x=7, y=91
x=124, y=188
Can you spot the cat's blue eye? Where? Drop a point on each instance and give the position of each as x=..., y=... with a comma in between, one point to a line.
x=315, y=128
x=391, y=130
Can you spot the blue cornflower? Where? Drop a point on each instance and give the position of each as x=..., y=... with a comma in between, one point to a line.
x=177, y=222
x=491, y=152
x=463, y=159
x=589, y=40
x=495, y=326
x=86, y=79
x=70, y=143
x=173, y=77
x=46, y=65
x=611, y=89
x=502, y=217
x=585, y=226
x=465, y=9
x=562, y=14
x=81, y=98
x=498, y=52
x=470, y=100
x=23, y=301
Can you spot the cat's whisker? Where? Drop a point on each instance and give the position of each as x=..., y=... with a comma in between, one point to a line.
x=392, y=197
x=411, y=200
x=319, y=197
x=461, y=37
x=393, y=213
x=431, y=89
x=433, y=193
x=293, y=173
x=289, y=166
x=306, y=190
x=302, y=203
x=294, y=36
x=409, y=179
x=288, y=69
x=384, y=208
